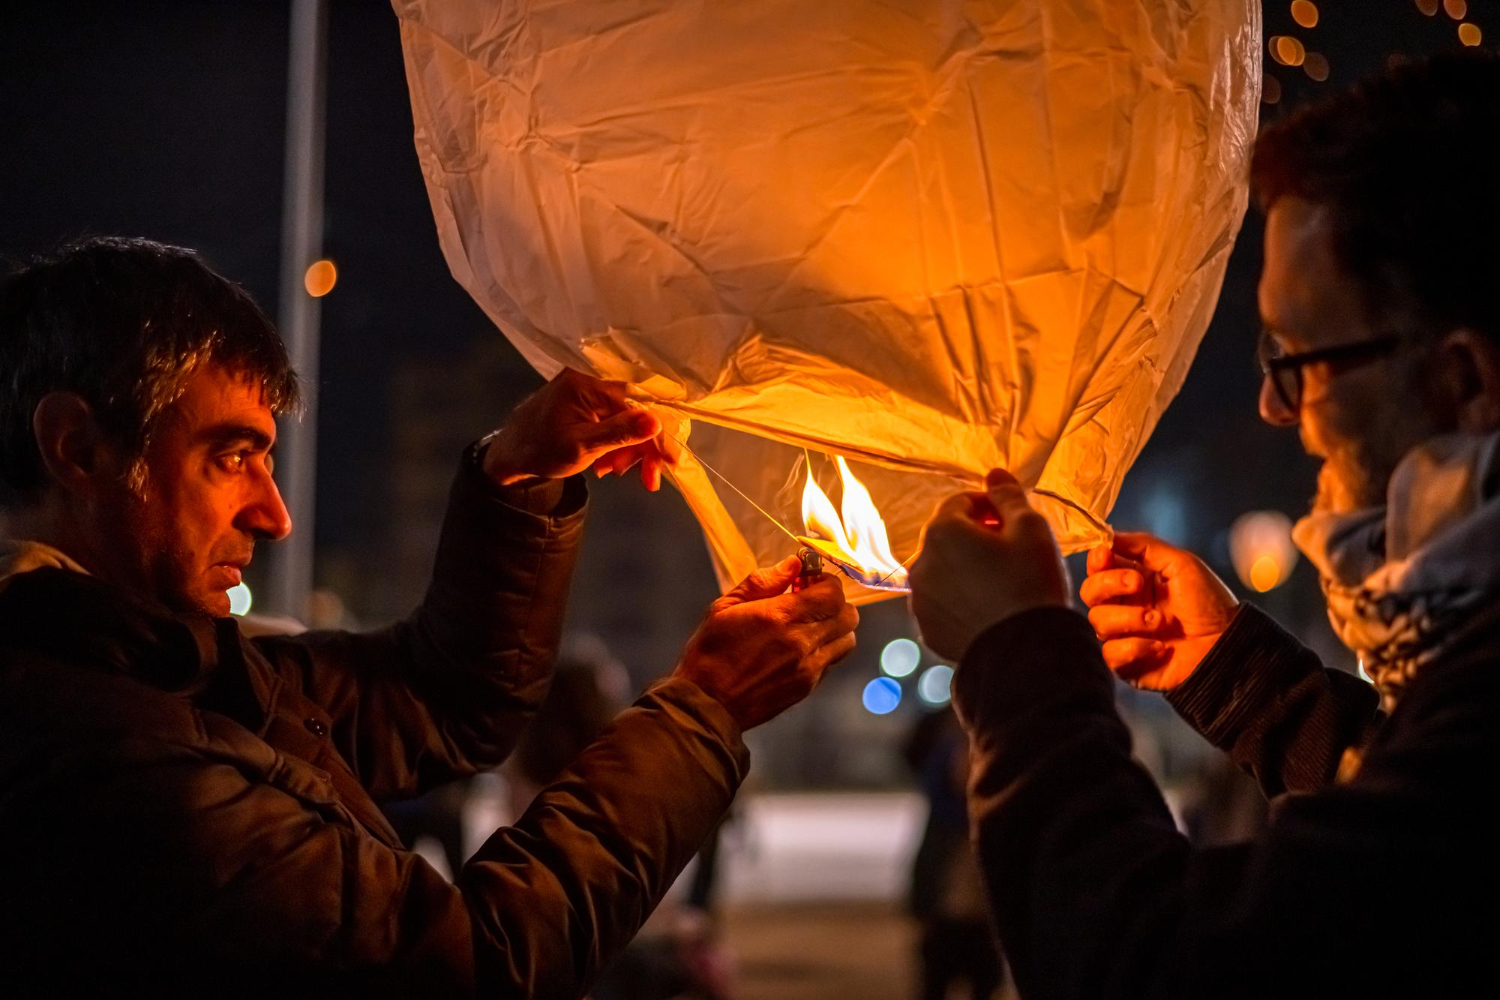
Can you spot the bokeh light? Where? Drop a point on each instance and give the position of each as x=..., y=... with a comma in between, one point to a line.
x=320, y=278
x=1287, y=50
x=1428, y=7
x=1316, y=66
x=1305, y=13
x=240, y=599
x=881, y=696
x=1260, y=546
x=1470, y=34
x=1270, y=89
x=1457, y=9
x=934, y=685
x=900, y=657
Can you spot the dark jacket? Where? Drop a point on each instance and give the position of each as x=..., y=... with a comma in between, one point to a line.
x=1385, y=884
x=185, y=810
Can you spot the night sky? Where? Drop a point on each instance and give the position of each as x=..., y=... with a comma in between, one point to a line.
x=166, y=119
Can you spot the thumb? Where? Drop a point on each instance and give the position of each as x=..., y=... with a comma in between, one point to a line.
x=1150, y=551
x=1005, y=493
x=768, y=581
x=619, y=431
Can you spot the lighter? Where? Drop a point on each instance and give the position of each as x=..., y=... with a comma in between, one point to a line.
x=812, y=568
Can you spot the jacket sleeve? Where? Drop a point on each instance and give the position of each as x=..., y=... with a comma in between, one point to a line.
x=445, y=693
x=269, y=877
x=1267, y=701
x=1096, y=894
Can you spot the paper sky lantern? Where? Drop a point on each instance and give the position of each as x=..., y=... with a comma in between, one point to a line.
x=928, y=237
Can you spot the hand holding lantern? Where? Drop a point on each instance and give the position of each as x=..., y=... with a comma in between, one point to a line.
x=985, y=556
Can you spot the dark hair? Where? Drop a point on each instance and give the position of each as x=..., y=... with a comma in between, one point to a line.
x=1406, y=162
x=122, y=323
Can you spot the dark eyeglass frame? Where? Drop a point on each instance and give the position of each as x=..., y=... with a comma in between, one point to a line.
x=1285, y=370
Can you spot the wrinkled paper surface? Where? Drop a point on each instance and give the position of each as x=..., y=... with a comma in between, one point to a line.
x=933, y=237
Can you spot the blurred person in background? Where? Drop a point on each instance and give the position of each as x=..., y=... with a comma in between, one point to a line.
x=675, y=955
x=185, y=810
x=958, y=942
x=1374, y=876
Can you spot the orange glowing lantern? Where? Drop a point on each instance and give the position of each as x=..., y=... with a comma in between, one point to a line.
x=927, y=238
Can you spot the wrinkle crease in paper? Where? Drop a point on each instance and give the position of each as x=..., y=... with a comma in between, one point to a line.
x=932, y=237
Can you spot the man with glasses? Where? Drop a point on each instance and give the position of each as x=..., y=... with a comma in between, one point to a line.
x=1376, y=876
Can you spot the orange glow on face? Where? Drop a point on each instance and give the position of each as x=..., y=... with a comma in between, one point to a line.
x=1305, y=13
x=320, y=278
x=855, y=536
x=1470, y=34
x=1287, y=50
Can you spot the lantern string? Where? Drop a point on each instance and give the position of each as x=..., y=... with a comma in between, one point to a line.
x=725, y=480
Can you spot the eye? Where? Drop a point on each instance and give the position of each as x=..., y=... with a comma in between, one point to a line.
x=234, y=461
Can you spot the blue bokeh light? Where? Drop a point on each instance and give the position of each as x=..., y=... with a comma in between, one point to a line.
x=881, y=696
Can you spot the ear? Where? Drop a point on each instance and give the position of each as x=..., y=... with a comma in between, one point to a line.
x=73, y=449
x=1468, y=376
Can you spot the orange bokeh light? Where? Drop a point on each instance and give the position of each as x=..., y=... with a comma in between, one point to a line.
x=1457, y=9
x=1316, y=66
x=1270, y=89
x=1428, y=7
x=1305, y=13
x=1470, y=34
x=1265, y=573
x=1287, y=50
x=320, y=278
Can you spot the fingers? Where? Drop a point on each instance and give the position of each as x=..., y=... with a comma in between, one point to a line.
x=1110, y=585
x=966, y=509
x=1006, y=494
x=843, y=621
x=619, y=431
x=1114, y=620
x=1100, y=557
x=828, y=654
x=1148, y=550
x=1132, y=657
x=597, y=391
x=768, y=581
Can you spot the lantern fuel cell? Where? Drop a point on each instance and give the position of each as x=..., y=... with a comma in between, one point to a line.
x=891, y=581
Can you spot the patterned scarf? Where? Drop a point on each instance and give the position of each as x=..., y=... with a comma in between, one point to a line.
x=1407, y=581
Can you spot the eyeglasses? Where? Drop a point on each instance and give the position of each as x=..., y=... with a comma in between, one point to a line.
x=1285, y=370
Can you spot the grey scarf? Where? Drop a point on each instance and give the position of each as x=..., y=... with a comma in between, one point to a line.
x=1406, y=581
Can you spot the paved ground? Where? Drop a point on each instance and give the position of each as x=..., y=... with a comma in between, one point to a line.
x=823, y=951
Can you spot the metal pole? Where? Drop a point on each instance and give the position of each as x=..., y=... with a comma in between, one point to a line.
x=301, y=243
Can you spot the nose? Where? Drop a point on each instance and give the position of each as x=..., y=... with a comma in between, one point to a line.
x=266, y=515
x=1273, y=409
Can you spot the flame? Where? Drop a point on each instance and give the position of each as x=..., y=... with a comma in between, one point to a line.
x=857, y=533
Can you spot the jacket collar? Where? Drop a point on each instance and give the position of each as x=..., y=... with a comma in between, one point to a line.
x=62, y=613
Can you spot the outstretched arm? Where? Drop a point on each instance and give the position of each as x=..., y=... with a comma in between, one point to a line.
x=445, y=692
x=1169, y=624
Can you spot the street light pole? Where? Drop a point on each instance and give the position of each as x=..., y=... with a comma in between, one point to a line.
x=301, y=243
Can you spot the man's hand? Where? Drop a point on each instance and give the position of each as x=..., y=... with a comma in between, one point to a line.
x=1157, y=609
x=572, y=423
x=985, y=556
x=761, y=650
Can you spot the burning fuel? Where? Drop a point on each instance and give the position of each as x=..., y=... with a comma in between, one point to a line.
x=853, y=539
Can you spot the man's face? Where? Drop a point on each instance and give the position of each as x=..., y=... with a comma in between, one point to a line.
x=208, y=494
x=1360, y=418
